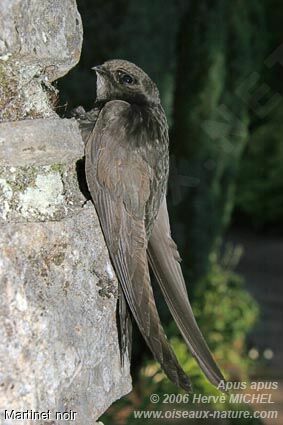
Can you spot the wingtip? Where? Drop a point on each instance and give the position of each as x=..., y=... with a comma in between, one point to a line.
x=214, y=378
x=187, y=386
x=184, y=382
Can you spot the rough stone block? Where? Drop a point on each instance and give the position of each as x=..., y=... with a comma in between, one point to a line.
x=58, y=337
x=40, y=41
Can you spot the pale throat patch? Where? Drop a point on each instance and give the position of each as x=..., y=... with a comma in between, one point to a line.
x=100, y=86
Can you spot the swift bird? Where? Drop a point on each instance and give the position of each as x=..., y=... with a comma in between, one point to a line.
x=127, y=164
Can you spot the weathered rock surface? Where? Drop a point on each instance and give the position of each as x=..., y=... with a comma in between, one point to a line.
x=40, y=41
x=59, y=347
x=59, y=344
x=40, y=142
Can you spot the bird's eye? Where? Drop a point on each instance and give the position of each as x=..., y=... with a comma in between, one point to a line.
x=126, y=79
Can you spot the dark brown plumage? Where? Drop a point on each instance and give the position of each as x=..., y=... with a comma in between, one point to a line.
x=127, y=163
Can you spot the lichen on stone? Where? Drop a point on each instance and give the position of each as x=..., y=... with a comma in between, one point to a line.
x=39, y=192
x=6, y=194
x=44, y=198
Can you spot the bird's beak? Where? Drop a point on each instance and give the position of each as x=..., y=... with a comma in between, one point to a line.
x=99, y=69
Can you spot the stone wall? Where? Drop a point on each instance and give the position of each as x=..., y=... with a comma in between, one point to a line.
x=59, y=345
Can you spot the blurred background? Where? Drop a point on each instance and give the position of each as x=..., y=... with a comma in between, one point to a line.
x=218, y=66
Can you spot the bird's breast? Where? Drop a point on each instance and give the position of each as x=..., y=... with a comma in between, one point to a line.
x=150, y=125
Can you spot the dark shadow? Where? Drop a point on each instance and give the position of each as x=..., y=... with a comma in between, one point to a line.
x=80, y=169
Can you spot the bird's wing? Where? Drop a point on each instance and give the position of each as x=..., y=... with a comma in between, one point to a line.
x=119, y=183
x=164, y=260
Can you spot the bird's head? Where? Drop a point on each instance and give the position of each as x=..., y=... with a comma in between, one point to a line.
x=122, y=80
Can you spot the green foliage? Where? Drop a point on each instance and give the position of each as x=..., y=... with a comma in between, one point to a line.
x=260, y=182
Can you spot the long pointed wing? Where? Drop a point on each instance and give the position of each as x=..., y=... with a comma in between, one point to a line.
x=119, y=183
x=165, y=262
